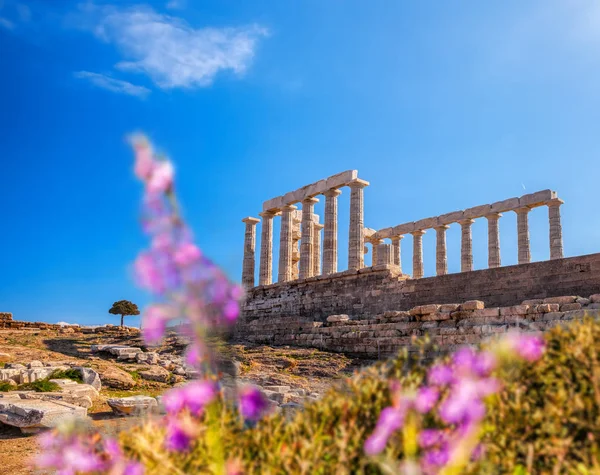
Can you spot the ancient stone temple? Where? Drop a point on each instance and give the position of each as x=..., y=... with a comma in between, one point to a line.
x=309, y=285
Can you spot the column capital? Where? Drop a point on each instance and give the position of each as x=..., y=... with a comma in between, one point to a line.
x=269, y=214
x=310, y=200
x=288, y=208
x=418, y=232
x=555, y=202
x=397, y=238
x=464, y=222
x=319, y=226
x=333, y=192
x=493, y=216
x=358, y=183
x=442, y=227
x=251, y=220
x=522, y=210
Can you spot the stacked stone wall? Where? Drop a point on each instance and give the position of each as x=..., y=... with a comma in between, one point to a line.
x=449, y=326
x=372, y=291
x=5, y=317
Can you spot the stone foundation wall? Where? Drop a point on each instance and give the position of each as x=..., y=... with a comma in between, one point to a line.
x=374, y=290
x=5, y=317
x=448, y=325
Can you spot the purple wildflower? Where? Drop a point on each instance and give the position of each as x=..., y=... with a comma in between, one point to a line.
x=198, y=394
x=177, y=438
x=253, y=403
x=528, y=347
x=440, y=375
x=154, y=324
x=485, y=362
x=430, y=437
x=390, y=420
x=425, y=399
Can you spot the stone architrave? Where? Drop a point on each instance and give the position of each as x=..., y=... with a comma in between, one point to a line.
x=466, y=245
x=265, y=273
x=286, y=242
x=441, y=259
x=397, y=251
x=418, y=253
x=330, y=235
x=307, y=244
x=356, y=239
x=556, y=241
x=317, y=259
x=249, y=252
x=493, y=240
x=523, y=234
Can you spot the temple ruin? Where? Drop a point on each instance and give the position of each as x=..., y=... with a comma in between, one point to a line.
x=379, y=306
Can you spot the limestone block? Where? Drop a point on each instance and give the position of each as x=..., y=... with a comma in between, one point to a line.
x=567, y=307
x=35, y=364
x=505, y=205
x=449, y=307
x=317, y=188
x=401, y=229
x=384, y=233
x=133, y=405
x=561, y=300
x=477, y=212
x=547, y=308
x=274, y=203
x=89, y=376
x=533, y=302
x=595, y=298
x=426, y=223
x=537, y=199
x=117, y=378
x=427, y=309
x=33, y=415
x=341, y=179
x=472, y=305
x=487, y=312
x=516, y=310
x=337, y=318
x=580, y=300
x=450, y=218
x=156, y=373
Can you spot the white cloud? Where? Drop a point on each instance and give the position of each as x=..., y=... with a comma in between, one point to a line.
x=112, y=84
x=168, y=49
x=176, y=4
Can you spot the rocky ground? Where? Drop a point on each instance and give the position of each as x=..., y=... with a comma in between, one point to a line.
x=302, y=373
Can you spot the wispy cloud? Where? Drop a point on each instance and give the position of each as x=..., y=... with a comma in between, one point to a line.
x=167, y=49
x=113, y=85
x=4, y=23
x=176, y=4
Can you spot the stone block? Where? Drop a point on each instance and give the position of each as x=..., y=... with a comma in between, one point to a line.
x=449, y=307
x=426, y=223
x=515, y=310
x=34, y=415
x=450, y=218
x=427, y=309
x=532, y=302
x=595, y=298
x=133, y=405
x=561, y=300
x=337, y=318
x=505, y=205
x=547, y=308
x=538, y=198
x=434, y=317
x=402, y=229
x=477, y=212
x=472, y=305
x=487, y=312
x=274, y=203
x=341, y=179
x=582, y=301
x=567, y=307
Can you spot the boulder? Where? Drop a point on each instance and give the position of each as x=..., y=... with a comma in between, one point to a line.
x=117, y=378
x=156, y=373
x=89, y=376
x=132, y=406
x=33, y=415
x=35, y=364
x=73, y=387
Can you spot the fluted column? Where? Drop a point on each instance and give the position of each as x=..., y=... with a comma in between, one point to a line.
x=286, y=242
x=556, y=241
x=493, y=240
x=418, y=254
x=397, y=257
x=265, y=273
x=249, y=252
x=356, y=239
x=523, y=234
x=466, y=245
x=374, y=246
x=441, y=260
x=385, y=254
x=317, y=251
x=330, y=235
x=307, y=245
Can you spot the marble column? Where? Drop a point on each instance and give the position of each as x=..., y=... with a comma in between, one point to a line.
x=330, y=235
x=385, y=254
x=556, y=241
x=396, y=245
x=523, y=234
x=356, y=238
x=286, y=242
x=375, y=247
x=441, y=259
x=417, y=254
x=466, y=245
x=317, y=259
x=493, y=240
x=249, y=252
x=265, y=273
x=307, y=245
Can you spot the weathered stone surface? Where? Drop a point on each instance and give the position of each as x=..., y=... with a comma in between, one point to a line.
x=595, y=298
x=561, y=300
x=117, y=378
x=89, y=376
x=567, y=307
x=35, y=364
x=34, y=415
x=473, y=305
x=156, y=373
x=337, y=318
x=4, y=357
x=132, y=406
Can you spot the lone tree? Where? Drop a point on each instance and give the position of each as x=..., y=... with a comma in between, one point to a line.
x=124, y=307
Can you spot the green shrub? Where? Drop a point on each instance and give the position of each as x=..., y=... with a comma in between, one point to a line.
x=545, y=420
x=5, y=387
x=40, y=386
x=72, y=374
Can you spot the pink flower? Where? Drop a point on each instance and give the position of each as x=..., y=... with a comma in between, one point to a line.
x=440, y=375
x=177, y=438
x=231, y=310
x=430, y=437
x=154, y=324
x=198, y=394
x=144, y=162
x=390, y=420
x=253, y=403
x=161, y=179
x=464, y=360
x=173, y=401
x=148, y=273
x=528, y=347
x=485, y=362
x=187, y=254
x=426, y=399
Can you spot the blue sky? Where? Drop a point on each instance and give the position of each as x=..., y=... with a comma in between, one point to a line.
x=441, y=106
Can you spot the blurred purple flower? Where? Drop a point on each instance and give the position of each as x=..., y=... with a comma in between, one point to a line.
x=440, y=375
x=430, y=437
x=485, y=362
x=154, y=323
x=425, y=399
x=390, y=420
x=186, y=255
x=528, y=347
x=198, y=394
x=177, y=439
x=253, y=403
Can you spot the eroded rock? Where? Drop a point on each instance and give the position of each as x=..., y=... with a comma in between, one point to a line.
x=132, y=406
